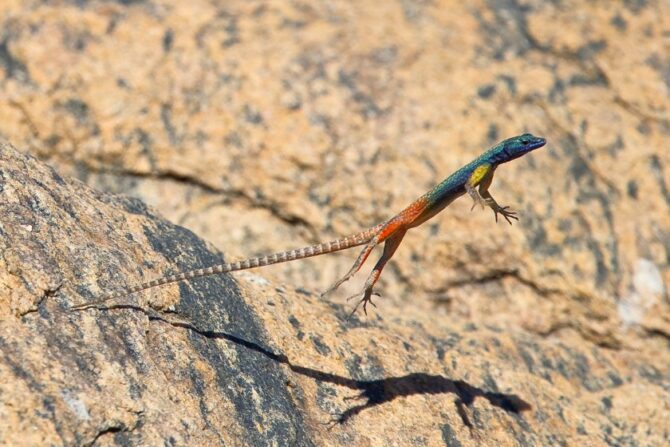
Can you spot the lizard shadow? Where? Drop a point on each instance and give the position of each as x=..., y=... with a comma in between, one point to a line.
x=380, y=391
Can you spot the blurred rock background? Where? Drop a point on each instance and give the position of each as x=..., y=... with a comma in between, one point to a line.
x=269, y=125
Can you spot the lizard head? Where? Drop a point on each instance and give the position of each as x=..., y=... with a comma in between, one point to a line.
x=516, y=147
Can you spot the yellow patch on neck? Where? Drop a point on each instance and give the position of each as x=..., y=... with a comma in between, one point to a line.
x=479, y=174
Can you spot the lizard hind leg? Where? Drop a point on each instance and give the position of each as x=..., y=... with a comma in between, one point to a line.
x=356, y=267
x=392, y=244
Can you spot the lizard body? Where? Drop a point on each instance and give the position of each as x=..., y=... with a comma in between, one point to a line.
x=474, y=179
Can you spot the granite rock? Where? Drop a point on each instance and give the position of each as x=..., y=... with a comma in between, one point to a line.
x=264, y=126
x=239, y=361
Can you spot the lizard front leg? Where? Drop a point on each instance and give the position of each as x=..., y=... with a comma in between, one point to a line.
x=491, y=202
x=477, y=198
x=482, y=177
x=506, y=212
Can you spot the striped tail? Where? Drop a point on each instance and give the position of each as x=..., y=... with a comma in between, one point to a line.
x=299, y=253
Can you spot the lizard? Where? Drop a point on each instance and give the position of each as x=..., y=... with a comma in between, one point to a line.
x=473, y=179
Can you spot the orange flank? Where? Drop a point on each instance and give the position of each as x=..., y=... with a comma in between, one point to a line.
x=404, y=219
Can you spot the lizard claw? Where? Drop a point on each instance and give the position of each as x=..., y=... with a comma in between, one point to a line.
x=367, y=298
x=506, y=213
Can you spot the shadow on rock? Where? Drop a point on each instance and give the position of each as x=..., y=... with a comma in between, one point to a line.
x=376, y=392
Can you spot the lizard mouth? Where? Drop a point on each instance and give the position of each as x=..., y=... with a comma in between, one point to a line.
x=538, y=143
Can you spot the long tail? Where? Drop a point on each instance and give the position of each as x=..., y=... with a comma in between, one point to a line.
x=299, y=253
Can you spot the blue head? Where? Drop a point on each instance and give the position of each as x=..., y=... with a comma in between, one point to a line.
x=514, y=147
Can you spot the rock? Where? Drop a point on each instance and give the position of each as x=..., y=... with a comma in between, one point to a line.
x=238, y=361
x=269, y=126
x=265, y=126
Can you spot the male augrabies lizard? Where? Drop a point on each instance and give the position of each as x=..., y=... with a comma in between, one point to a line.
x=473, y=178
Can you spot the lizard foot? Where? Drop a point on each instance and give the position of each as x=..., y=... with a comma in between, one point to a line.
x=367, y=295
x=506, y=213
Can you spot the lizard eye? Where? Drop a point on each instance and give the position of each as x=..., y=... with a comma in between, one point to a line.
x=525, y=141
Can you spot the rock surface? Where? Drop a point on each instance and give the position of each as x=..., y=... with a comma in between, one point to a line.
x=263, y=126
x=242, y=362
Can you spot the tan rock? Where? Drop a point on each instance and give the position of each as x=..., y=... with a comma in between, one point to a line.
x=242, y=362
x=268, y=126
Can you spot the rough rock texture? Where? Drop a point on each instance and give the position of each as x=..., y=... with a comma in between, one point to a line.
x=247, y=363
x=263, y=126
